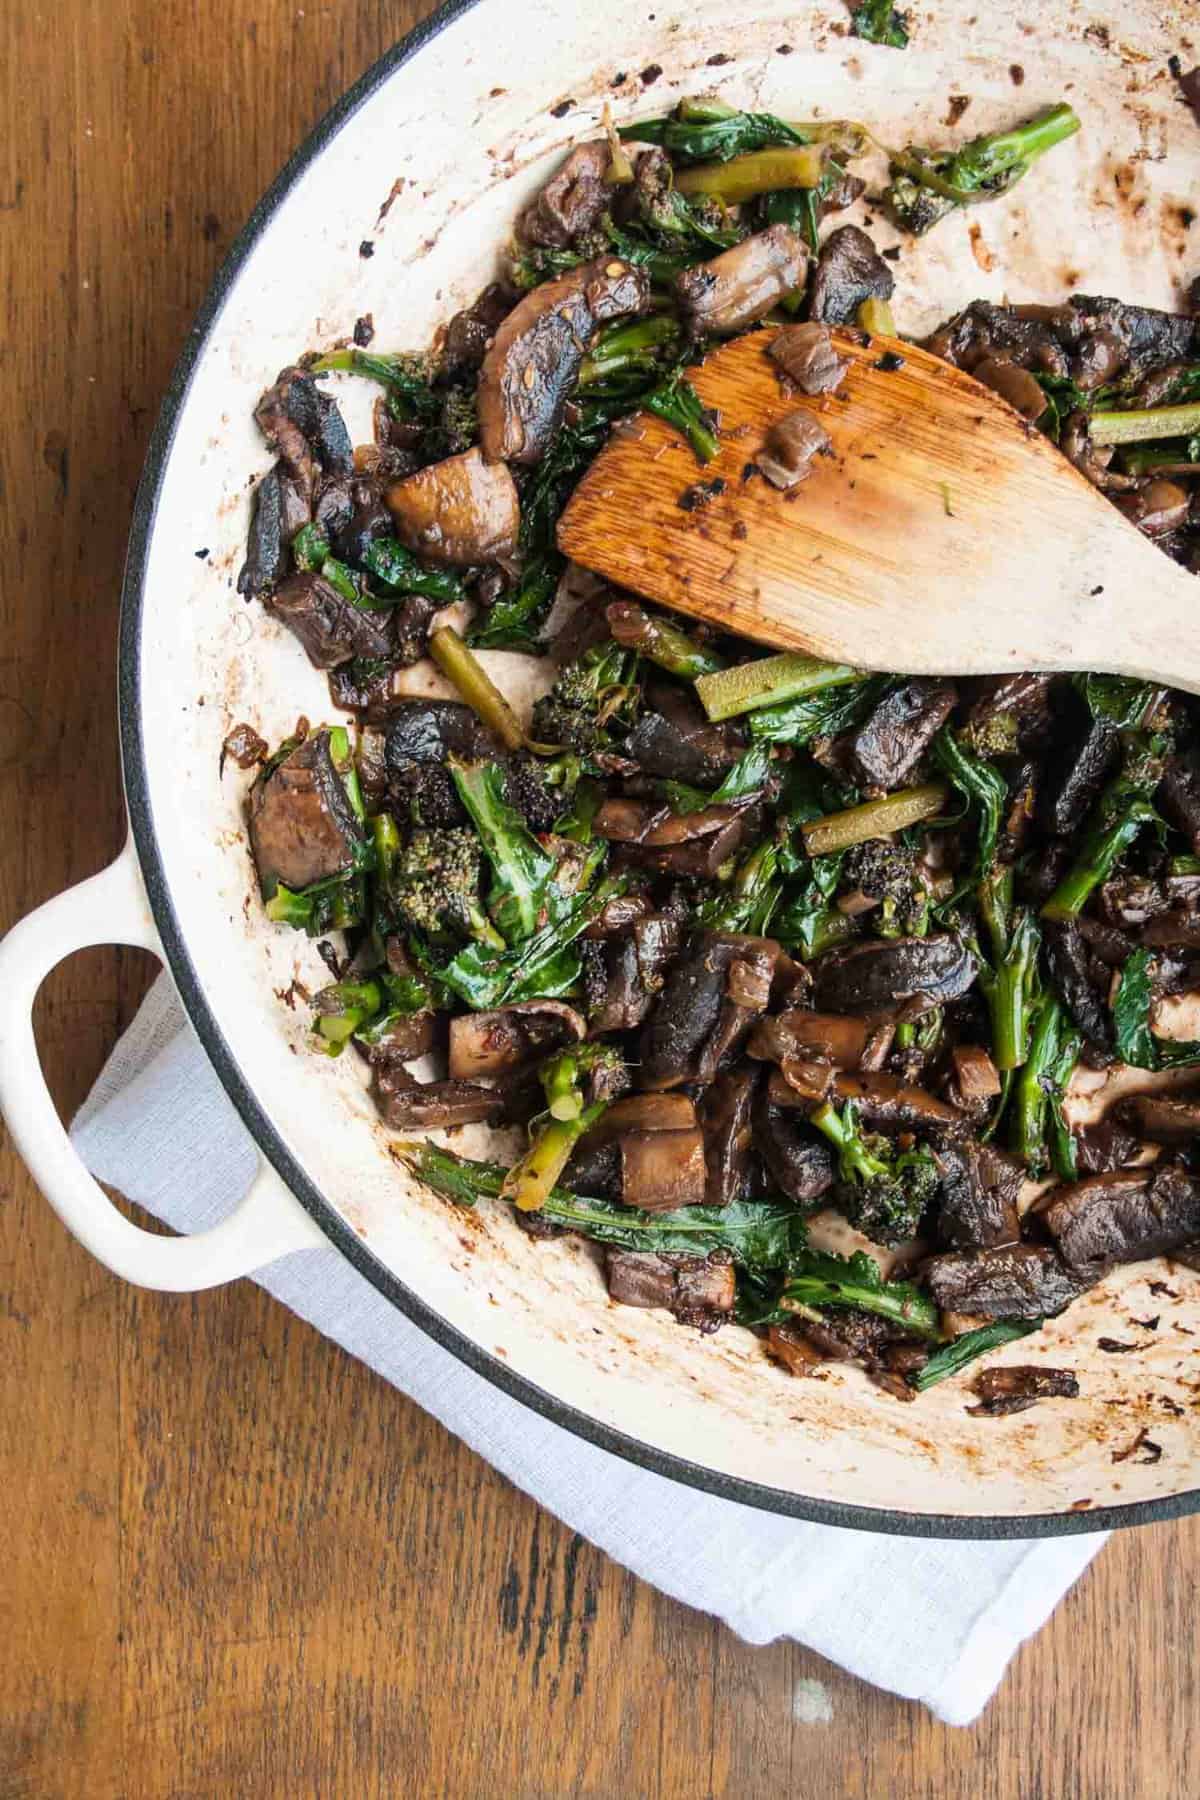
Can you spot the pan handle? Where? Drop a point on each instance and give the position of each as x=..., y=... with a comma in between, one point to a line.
x=111, y=908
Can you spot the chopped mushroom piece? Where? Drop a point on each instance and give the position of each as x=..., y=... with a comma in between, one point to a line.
x=786, y=457
x=807, y=357
x=462, y=512
x=536, y=355
x=975, y=1072
x=740, y=286
x=330, y=628
x=1014, y=1281
x=1016, y=1388
x=302, y=826
x=1122, y=1217
x=1164, y=1119
x=408, y=1105
x=571, y=201
x=849, y=270
x=698, y=1290
x=1012, y=383
x=484, y=1043
x=662, y=1170
x=867, y=977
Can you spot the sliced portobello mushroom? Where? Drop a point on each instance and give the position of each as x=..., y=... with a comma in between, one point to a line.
x=741, y=286
x=461, y=512
x=302, y=826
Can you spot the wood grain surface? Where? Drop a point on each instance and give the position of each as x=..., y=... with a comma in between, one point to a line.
x=237, y=1564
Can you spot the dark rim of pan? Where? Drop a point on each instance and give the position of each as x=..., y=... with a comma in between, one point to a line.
x=240, y=1090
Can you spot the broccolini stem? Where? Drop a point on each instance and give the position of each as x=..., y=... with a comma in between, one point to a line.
x=529, y=1183
x=342, y=1008
x=622, y=347
x=677, y=401
x=769, y=680
x=758, y=172
x=897, y=1300
x=660, y=642
x=1120, y=814
x=460, y=665
x=874, y=818
x=1010, y=992
x=982, y=162
x=1139, y=425
x=1054, y=1049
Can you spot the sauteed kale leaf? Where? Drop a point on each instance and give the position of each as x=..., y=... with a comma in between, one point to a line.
x=753, y=949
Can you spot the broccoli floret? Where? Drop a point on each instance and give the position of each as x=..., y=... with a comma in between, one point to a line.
x=881, y=869
x=592, y=702
x=434, y=884
x=881, y=1190
x=457, y=427
x=540, y=787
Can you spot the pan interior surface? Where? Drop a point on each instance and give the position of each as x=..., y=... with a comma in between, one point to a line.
x=428, y=168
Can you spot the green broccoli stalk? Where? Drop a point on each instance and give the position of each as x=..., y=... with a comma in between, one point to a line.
x=343, y=1008
x=581, y=1075
x=1011, y=985
x=677, y=401
x=883, y=1191
x=623, y=356
x=1118, y=817
x=406, y=377
x=928, y=184
x=529, y=1182
x=660, y=641
x=747, y=902
x=1053, y=1052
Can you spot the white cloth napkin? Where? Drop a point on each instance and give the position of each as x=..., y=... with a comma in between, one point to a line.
x=933, y=1621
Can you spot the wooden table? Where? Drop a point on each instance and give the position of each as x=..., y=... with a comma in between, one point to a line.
x=236, y=1563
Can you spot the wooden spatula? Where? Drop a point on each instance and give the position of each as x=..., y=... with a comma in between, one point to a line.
x=944, y=535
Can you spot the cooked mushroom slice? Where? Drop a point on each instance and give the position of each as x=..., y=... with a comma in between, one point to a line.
x=1123, y=1217
x=872, y=976
x=978, y=1199
x=641, y=1112
x=699, y=858
x=635, y=968
x=798, y=1161
x=1013, y=1281
x=1179, y=796
x=330, y=628
x=1165, y=1119
x=786, y=456
x=1068, y=959
x=421, y=735
x=618, y=916
x=696, y=1021
x=1105, y=1146
x=975, y=1074
x=1012, y=383
x=740, y=286
x=849, y=270
x=571, y=201
x=1015, y=1389
x=462, y=511
x=485, y=1043
x=725, y=1119
x=280, y=508
x=826, y=1037
x=304, y=427
x=535, y=356
x=408, y=1037
x=662, y=1170
x=674, y=741
x=652, y=823
x=1158, y=508
x=595, y=1171
x=885, y=750
x=807, y=357
x=408, y=1105
x=698, y=1290
x=471, y=331
x=883, y=1099
x=302, y=826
